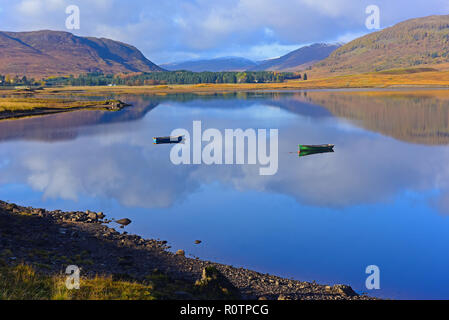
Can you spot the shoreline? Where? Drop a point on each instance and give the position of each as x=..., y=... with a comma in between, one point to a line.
x=13, y=113
x=397, y=80
x=49, y=241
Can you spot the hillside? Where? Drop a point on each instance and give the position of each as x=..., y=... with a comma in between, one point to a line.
x=215, y=65
x=415, y=42
x=47, y=53
x=298, y=59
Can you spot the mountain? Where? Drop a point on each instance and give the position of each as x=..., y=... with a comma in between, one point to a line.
x=298, y=59
x=215, y=65
x=414, y=42
x=47, y=53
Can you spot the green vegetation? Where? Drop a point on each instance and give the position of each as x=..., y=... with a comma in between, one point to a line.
x=171, y=77
x=11, y=107
x=22, y=282
x=11, y=81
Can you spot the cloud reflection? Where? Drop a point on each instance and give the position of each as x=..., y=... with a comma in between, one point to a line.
x=118, y=161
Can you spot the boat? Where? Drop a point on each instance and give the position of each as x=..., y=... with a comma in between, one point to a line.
x=305, y=150
x=168, y=140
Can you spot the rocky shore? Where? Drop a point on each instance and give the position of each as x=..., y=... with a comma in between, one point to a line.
x=49, y=241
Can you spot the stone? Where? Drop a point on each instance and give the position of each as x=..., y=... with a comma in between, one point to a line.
x=197, y=241
x=344, y=290
x=180, y=253
x=92, y=215
x=123, y=222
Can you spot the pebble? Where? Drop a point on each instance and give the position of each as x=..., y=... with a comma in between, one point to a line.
x=180, y=253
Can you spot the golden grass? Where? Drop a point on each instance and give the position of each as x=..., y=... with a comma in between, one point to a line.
x=393, y=79
x=23, y=283
x=19, y=104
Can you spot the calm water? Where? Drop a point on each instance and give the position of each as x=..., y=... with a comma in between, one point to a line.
x=381, y=198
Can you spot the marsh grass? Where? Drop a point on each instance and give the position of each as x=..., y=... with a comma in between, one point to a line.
x=406, y=77
x=22, y=282
x=20, y=104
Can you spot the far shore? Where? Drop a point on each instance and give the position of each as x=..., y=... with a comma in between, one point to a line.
x=38, y=245
x=18, y=104
x=22, y=107
x=403, y=78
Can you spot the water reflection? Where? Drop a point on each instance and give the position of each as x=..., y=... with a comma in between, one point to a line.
x=116, y=158
x=315, y=218
x=420, y=117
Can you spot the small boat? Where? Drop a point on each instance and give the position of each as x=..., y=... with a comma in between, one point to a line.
x=305, y=150
x=167, y=140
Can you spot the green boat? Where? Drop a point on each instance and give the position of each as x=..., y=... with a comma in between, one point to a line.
x=305, y=150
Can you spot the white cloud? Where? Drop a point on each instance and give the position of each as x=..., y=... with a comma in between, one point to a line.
x=165, y=30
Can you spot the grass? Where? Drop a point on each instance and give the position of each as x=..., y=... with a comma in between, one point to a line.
x=22, y=282
x=28, y=104
x=406, y=77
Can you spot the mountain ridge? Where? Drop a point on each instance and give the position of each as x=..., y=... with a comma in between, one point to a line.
x=51, y=53
x=411, y=43
x=213, y=65
x=293, y=61
x=298, y=59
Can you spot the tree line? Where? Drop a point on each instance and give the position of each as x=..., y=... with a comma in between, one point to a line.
x=174, y=77
x=154, y=78
x=8, y=80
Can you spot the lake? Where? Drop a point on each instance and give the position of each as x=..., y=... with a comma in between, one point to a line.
x=382, y=198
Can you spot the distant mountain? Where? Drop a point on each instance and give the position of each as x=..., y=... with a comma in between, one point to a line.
x=298, y=59
x=46, y=53
x=215, y=65
x=414, y=42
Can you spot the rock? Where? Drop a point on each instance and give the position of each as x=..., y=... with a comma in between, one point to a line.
x=328, y=289
x=180, y=253
x=344, y=290
x=92, y=215
x=123, y=222
x=197, y=241
x=283, y=297
x=100, y=215
x=263, y=298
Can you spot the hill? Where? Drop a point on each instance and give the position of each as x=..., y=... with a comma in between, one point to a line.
x=412, y=43
x=48, y=53
x=298, y=59
x=214, y=65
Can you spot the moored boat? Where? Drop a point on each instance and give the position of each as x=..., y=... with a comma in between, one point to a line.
x=304, y=150
x=167, y=140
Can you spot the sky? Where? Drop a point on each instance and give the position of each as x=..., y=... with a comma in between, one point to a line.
x=176, y=30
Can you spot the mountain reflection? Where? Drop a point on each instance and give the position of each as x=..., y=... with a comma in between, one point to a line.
x=67, y=126
x=117, y=160
x=420, y=117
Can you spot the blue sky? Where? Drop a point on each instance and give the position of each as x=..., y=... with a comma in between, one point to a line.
x=173, y=30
